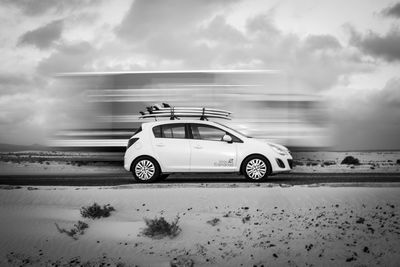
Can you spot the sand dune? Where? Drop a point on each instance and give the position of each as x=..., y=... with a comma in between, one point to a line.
x=270, y=226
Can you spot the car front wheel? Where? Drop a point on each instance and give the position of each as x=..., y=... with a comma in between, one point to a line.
x=256, y=168
x=145, y=170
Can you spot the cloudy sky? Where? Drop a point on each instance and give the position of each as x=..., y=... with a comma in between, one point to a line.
x=347, y=50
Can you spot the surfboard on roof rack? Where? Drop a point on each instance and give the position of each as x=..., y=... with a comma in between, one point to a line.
x=188, y=111
x=166, y=110
x=177, y=116
x=159, y=108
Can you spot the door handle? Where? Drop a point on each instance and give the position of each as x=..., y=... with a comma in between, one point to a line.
x=198, y=147
x=160, y=145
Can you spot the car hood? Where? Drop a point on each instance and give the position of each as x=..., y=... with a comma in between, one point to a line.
x=278, y=145
x=263, y=141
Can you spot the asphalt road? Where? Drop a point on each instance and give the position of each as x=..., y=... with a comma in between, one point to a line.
x=191, y=179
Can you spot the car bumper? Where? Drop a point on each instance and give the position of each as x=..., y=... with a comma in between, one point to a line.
x=282, y=164
x=127, y=164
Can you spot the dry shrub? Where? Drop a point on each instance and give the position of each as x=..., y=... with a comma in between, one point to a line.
x=214, y=221
x=95, y=211
x=350, y=160
x=78, y=229
x=159, y=228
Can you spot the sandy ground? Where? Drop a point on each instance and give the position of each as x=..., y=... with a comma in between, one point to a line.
x=269, y=226
x=55, y=162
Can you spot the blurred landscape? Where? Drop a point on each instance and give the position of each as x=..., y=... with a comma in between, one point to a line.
x=80, y=162
x=265, y=104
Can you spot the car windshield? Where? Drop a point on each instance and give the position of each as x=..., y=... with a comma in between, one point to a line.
x=233, y=130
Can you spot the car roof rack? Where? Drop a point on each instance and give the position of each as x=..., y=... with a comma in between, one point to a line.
x=165, y=110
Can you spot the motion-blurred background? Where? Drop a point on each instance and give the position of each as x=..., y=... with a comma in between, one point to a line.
x=264, y=105
x=310, y=74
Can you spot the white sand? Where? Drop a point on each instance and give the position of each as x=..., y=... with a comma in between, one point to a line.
x=299, y=225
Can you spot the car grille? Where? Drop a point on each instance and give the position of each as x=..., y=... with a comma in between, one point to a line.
x=290, y=161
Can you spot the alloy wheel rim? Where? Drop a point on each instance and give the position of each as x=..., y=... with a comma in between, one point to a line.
x=145, y=169
x=256, y=169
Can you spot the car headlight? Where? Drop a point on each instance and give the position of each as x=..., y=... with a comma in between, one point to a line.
x=279, y=150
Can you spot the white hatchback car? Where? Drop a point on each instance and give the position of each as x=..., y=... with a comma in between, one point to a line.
x=160, y=148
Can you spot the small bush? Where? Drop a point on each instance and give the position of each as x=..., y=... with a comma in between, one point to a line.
x=350, y=160
x=246, y=218
x=214, y=221
x=95, y=211
x=181, y=261
x=360, y=220
x=159, y=228
x=78, y=228
x=398, y=161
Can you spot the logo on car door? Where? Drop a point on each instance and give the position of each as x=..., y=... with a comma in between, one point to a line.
x=224, y=163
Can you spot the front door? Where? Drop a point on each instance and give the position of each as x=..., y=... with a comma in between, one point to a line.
x=208, y=152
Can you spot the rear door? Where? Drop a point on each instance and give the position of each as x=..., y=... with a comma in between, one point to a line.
x=171, y=147
x=208, y=152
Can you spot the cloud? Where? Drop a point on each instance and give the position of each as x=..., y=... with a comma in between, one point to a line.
x=43, y=37
x=21, y=118
x=321, y=42
x=37, y=8
x=262, y=24
x=392, y=11
x=368, y=119
x=11, y=83
x=39, y=108
x=68, y=58
x=203, y=38
x=12, y=79
x=148, y=17
x=386, y=46
x=174, y=31
x=219, y=30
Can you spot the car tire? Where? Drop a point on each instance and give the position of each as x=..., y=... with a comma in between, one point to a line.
x=146, y=170
x=256, y=168
x=163, y=177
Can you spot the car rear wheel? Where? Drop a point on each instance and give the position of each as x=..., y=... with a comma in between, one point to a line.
x=256, y=168
x=145, y=170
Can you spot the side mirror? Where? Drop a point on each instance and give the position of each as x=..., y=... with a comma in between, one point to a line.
x=227, y=138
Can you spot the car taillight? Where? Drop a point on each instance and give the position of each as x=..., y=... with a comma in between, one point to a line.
x=131, y=142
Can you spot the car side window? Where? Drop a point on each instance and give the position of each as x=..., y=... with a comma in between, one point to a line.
x=205, y=132
x=169, y=131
